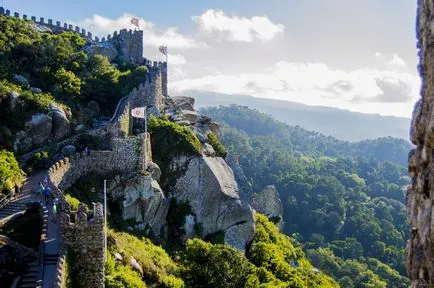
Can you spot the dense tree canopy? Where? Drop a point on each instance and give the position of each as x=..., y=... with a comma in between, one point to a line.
x=336, y=195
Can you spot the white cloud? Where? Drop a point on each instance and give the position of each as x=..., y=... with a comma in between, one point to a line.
x=237, y=28
x=365, y=90
x=100, y=25
x=176, y=59
x=396, y=60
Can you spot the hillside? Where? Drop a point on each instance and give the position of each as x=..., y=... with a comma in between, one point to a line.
x=341, y=124
x=343, y=199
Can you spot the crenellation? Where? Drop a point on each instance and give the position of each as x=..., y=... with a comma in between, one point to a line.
x=50, y=22
x=103, y=39
x=8, y=12
x=89, y=35
x=41, y=20
x=83, y=32
x=65, y=26
x=77, y=29
x=58, y=24
x=109, y=37
x=16, y=15
x=70, y=27
x=115, y=33
x=33, y=19
x=2, y=11
x=24, y=17
x=96, y=39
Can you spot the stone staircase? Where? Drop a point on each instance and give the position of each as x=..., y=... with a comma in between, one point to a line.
x=50, y=259
x=31, y=277
x=11, y=209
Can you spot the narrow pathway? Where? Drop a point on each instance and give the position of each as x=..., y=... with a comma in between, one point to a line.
x=53, y=242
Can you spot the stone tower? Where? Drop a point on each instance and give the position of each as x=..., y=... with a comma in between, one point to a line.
x=129, y=45
x=420, y=195
x=86, y=239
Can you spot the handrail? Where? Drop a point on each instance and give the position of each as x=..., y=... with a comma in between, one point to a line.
x=118, y=107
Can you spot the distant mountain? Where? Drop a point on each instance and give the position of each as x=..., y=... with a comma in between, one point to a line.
x=341, y=124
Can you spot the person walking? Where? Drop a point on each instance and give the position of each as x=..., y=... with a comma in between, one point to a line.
x=17, y=190
x=47, y=194
x=40, y=189
x=54, y=209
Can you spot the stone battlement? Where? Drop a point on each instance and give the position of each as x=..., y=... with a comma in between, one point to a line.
x=55, y=26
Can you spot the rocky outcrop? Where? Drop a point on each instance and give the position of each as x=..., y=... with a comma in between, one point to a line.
x=43, y=128
x=268, y=202
x=37, y=132
x=60, y=126
x=246, y=190
x=142, y=200
x=208, y=184
x=420, y=195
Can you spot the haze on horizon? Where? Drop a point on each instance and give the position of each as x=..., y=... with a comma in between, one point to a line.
x=355, y=55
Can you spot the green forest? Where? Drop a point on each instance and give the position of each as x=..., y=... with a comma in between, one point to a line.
x=344, y=201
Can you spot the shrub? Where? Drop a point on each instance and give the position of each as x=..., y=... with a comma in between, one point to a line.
x=207, y=265
x=10, y=172
x=158, y=268
x=72, y=201
x=217, y=145
x=39, y=160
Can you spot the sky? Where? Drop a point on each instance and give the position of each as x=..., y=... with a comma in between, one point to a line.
x=350, y=54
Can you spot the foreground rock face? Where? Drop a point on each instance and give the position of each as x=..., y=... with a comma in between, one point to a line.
x=209, y=186
x=268, y=202
x=420, y=195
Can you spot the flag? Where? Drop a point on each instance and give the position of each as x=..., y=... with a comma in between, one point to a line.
x=135, y=21
x=139, y=112
x=163, y=49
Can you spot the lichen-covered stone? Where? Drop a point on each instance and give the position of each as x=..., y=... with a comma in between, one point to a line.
x=268, y=202
x=209, y=186
x=143, y=201
x=420, y=248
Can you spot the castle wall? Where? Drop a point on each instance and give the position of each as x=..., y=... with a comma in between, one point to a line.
x=86, y=238
x=55, y=26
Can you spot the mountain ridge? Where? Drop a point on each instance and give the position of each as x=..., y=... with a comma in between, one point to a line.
x=339, y=123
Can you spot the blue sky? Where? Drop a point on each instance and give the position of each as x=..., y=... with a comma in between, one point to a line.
x=357, y=55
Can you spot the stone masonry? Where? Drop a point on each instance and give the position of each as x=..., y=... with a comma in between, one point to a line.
x=86, y=237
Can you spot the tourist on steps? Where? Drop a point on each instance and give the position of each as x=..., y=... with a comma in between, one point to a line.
x=47, y=193
x=54, y=211
x=40, y=189
x=17, y=190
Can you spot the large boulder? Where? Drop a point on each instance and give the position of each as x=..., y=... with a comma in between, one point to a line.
x=183, y=102
x=246, y=191
x=13, y=99
x=68, y=150
x=61, y=126
x=38, y=130
x=268, y=202
x=208, y=184
x=142, y=200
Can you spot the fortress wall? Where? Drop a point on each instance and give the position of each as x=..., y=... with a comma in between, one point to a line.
x=55, y=26
x=60, y=277
x=85, y=235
